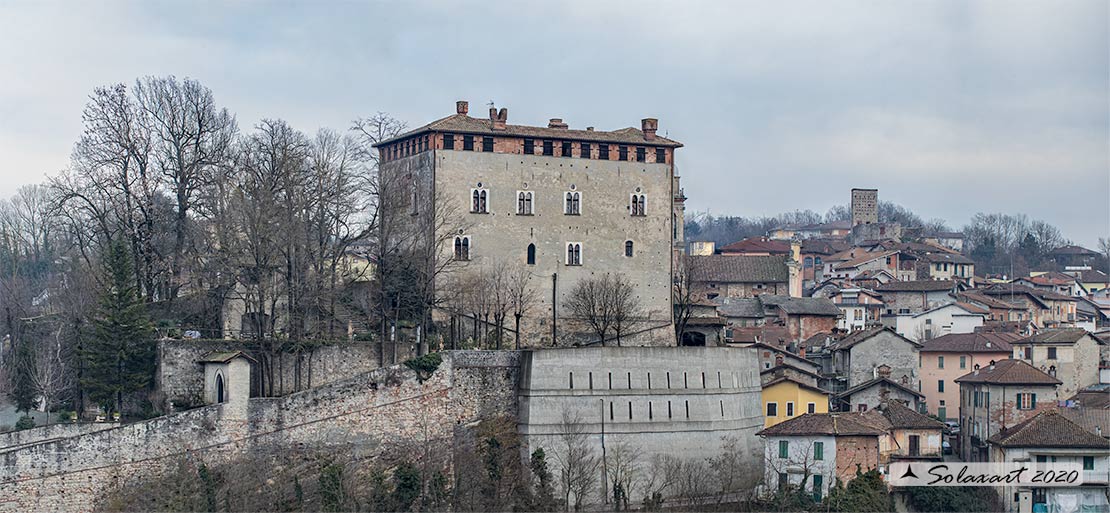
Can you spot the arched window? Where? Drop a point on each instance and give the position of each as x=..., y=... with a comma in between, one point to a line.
x=482, y=203
x=524, y=203
x=474, y=201
x=639, y=205
x=462, y=248
x=220, y=388
x=573, y=203
x=531, y=254
x=574, y=253
x=1052, y=371
x=627, y=248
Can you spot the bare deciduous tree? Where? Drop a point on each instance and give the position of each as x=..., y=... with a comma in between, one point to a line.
x=579, y=466
x=606, y=303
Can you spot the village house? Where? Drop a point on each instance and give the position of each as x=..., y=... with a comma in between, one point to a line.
x=705, y=326
x=812, y=452
x=997, y=396
x=785, y=397
x=850, y=263
x=1070, y=355
x=1074, y=256
x=859, y=355
x=741, y=276
x=945, y=358
x=757, y=246
x=1052, y=281
x=802, y=316
x=998, y=309
x=1092, y=280
x=937, y=321
x=813, y=254
x=859, y=308
x=1051, y=437
x=565, y=204
x=873, y=392
x=1046, y=309
x=771, y=356
x=912, y=435
x=946, y=266
x=833, y=230
x=950, y=240
x=908, y=297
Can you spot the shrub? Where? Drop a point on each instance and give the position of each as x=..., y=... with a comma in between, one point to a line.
x=25, y=422
x=425, y=365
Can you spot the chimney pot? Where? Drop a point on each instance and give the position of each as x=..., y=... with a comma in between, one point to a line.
x=557, y=123
x=649, y=126
x=462, y=107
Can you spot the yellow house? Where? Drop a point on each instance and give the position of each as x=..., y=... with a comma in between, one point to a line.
x=785, y=398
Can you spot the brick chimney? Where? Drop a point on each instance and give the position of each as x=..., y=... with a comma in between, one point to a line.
x=497, y=118
x=649, y=126
x=557, y=123
x=462, y=107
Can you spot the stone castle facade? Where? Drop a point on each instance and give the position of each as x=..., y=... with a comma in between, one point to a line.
x=564, y=204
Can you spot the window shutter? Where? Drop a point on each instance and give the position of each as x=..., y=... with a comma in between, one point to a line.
x=1033, y=403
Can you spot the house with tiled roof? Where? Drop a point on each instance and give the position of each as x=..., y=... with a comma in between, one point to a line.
x=1046, y=309
x=859, y=308
x=937, y=321
x=1072, y=355
x=873, y=392
x=1076, y=256
x=850, y=263
x=785, y=397
x=1092, y=280
x=941, y=265
x=860, y=356
x=998, y=309
x=1051, y=437
x=913, y=435
x=1052, y=281
x=813, y=451
x=998, y=396
x=756, y=246
x=909, y=297
x=739, y=276
x=945, y=358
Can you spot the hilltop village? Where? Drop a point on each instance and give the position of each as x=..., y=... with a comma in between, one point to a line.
x=531, y=325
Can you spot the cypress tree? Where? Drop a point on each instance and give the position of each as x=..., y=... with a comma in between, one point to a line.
x=23, y=386
x=119, y=358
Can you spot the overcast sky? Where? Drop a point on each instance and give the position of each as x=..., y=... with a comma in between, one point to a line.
x=948, y=108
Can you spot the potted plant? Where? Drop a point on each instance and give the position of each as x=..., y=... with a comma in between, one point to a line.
x=115, y=416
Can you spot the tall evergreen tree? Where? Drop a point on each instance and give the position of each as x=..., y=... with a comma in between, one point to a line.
x=119, y=358
x=23, y=384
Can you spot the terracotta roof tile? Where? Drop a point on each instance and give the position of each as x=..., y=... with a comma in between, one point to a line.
x=1056, y=336
x=916, y=286
x=1049, y=429
x=1009, y=372
x=463, y=124
x=835, y=424
x=740, y=269
x=971, y=343
x=902, y=417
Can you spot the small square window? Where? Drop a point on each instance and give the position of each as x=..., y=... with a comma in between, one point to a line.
x=529, y=146
x=565, y=149
x=603, y=151
x=641, y=154
x=584, y=150
x=622, y=153
x=487, y=144
x=468, y=143
x=772, y=409
x=448, y=141
x=660, y=156
x=549, y=148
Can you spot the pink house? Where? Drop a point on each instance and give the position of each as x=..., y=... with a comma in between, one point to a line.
x=945, y=358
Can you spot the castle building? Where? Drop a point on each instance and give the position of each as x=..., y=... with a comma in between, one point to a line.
x=564, y=204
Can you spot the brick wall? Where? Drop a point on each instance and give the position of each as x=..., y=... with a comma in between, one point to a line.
x=855, y=450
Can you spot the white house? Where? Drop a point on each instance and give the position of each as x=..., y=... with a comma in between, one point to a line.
x=938, y=321
x=1050, y=437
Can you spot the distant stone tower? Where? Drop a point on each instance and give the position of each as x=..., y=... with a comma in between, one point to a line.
x=865, y=206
